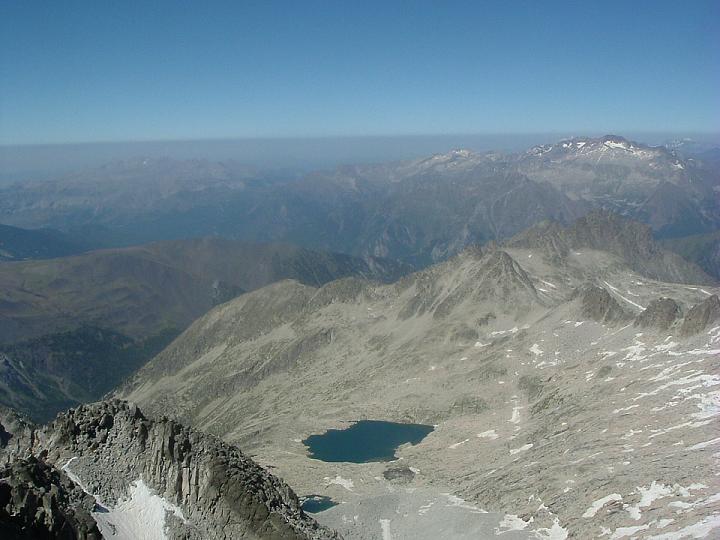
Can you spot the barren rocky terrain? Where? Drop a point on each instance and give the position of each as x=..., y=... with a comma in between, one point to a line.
x=573, y=395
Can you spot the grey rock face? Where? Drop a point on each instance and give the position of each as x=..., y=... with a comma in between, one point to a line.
x=660, y=313
x=598, y=305
x=401, y=474
x=701, y=316
x=16, y=434
x=38, y=501
x=222, y=493
x=602, y=230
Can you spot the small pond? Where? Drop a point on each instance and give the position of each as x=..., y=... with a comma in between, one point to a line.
x=365, y=441
x=317, y=503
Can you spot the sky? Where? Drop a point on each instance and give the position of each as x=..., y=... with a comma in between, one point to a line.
x=148, y=70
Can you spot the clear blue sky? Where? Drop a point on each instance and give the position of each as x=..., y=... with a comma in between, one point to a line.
x=144, y=70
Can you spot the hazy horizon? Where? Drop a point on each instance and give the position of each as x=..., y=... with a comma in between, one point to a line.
x=44, y=161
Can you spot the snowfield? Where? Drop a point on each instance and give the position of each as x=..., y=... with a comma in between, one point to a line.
x=139, y=516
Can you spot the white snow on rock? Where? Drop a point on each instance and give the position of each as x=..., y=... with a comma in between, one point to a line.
x=340, y=481
x=709, y=405
x=458, y=502
x=624, y=298
x=515, y=418
x=139, y=516
x=624, y=532
x=457, y=444
x=597, y=505
x=700, y=446
x=701, y=529
x=513, y=330
x=511, y=522
x=647, y=496
x=523, y=448
x=617, y=144
x=385, y=528
x=555, y=532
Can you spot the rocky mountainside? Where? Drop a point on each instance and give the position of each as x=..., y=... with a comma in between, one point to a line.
x=703, y=250
x=106, y=468
x=421, y=211
x=605, y=231
x=674, y=195
x=72, y=328
x=577, y=379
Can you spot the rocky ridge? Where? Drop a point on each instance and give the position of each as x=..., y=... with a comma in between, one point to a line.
x=606, y=231
x=701, y=316
x=38, y=502
x=214, y=489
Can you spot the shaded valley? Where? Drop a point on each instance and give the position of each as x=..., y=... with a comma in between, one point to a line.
x=72, y=328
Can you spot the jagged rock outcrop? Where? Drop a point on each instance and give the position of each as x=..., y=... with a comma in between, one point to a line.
x=597, y=304
x=222, y=493
x=38, y=502
x=701, y=316
x=660, y=313
x=16, y=434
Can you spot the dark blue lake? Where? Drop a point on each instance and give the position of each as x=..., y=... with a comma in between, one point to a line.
x=317, y=503
x=365, y=441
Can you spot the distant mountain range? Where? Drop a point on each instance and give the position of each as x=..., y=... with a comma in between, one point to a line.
x=419, y=211
x=71, y=328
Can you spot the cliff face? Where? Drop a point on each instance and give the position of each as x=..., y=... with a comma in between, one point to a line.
x=37, y=501
x=215, y=490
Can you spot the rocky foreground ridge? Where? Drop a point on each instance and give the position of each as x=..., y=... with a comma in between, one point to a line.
x=39, y=501
x=207, y=488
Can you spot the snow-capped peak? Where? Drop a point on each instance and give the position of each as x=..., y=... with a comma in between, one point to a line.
x=588, y=146
x=455, y=153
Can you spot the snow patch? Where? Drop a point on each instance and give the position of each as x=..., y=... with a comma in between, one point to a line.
x=455, y=501
x=626, y=299
x=700, y=446
x=385, y=527
x=597, y=505
x=340, y=481
x=139, y=516
x=523, y=448
x=701, y=529
x=457, y=444
x=555, y=532
x=511, y=522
